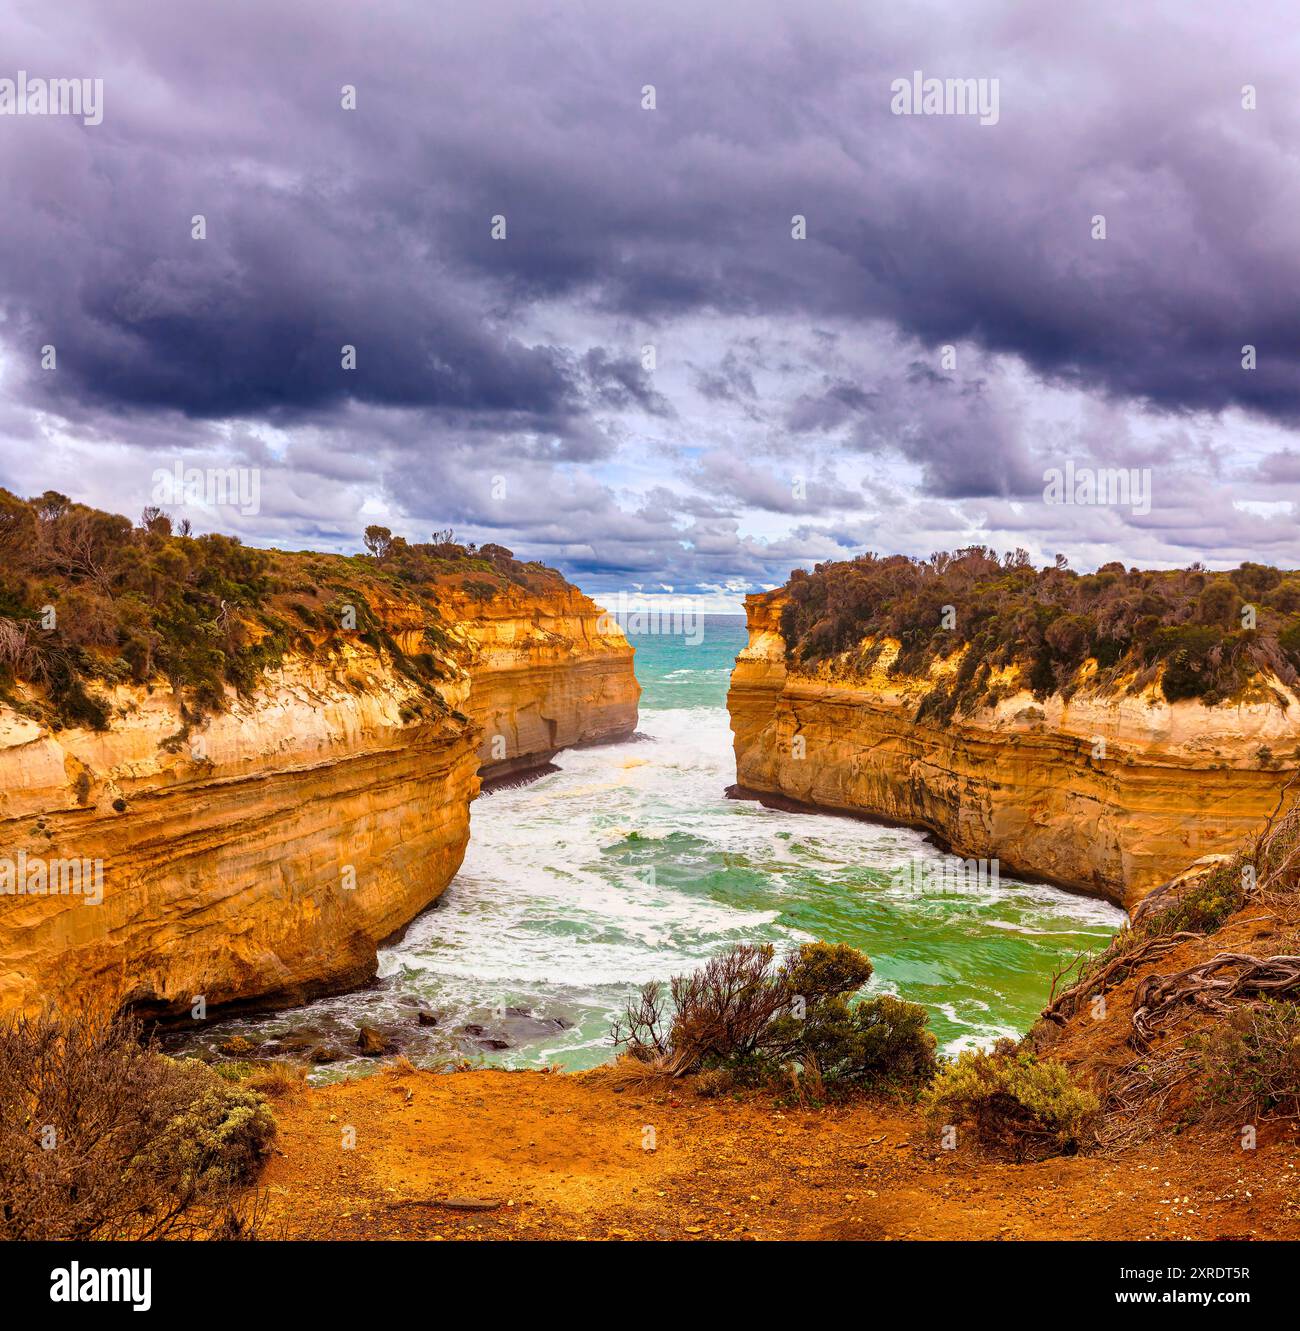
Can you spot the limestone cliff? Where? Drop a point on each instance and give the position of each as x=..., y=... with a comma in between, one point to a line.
x=258, y=854
x=543, y=675
x=1107, y=793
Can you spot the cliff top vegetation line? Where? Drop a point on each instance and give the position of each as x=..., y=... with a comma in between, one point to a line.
x=89, y=600
x=1201, y=634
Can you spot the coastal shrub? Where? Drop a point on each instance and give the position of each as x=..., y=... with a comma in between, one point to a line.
x=101, y=1137
x=1180, y=626
x=893, y=1042
x=744, y=1018
x=1013, y=1101
x=1185, y=652
x=1250, y=1065
x=148, y=602
x=1205, y=906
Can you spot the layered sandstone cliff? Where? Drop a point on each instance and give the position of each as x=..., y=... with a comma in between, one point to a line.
x=1107, y=793
x=543, y=675
x=258, y=856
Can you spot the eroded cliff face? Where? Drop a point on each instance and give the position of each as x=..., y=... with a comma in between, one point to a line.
x=543, y=675
x=259, y=856
x=1023, y=781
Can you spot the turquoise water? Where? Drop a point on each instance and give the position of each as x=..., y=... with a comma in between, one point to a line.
x=629, y=864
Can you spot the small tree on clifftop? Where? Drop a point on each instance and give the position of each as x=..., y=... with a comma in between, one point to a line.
x=379, y=541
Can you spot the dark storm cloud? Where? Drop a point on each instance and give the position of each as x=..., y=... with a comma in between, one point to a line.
x=622, y=383
x=623, y=226
x=831, y=406
x=371, y=227
x=964, y=439
x=729, y=381
x=946, y=229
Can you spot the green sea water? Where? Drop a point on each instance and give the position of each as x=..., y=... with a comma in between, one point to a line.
x=630, y=864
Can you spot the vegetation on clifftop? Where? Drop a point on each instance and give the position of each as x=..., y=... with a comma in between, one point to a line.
x=88, y=600
x=1203, y=635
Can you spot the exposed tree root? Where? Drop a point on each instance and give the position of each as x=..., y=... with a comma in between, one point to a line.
x=1213, y=985
x=1119, y=968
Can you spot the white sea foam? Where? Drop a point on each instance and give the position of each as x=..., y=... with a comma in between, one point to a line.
x=585, y=884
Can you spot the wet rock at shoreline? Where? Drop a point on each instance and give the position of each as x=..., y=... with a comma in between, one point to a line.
x=373, y=1043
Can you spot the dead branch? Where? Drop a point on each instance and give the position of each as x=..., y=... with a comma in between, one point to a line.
x=1213, y=985
x=1062, y=1008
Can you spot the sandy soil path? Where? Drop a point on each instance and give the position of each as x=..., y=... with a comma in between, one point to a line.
x=564, y=1157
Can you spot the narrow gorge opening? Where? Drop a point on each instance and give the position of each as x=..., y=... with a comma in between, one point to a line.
x=627, y=862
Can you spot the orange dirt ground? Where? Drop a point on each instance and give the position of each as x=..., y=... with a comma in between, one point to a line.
x=563, y=1156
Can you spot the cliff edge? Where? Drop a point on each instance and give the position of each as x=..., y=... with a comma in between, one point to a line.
x=1107, y=787
x=226, y=775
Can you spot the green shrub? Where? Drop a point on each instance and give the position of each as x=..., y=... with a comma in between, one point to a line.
x=1250, y=1064
x=206, y=614
x=1013, y=1102
x=896, y=1044
x=219, y=1138
x=743, y=1016
x=1184, y=652
x=1046, y=622
x=1204, y=906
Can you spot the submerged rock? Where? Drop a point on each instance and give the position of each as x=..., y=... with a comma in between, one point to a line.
x=480, y=1036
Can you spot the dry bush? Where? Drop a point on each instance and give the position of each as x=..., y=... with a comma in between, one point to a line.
x=724, y=1009
x=1250, y=1065
x=627, y=1071
x=102, y=1137
x=790, y=1025
x=1274, y=859
x=713, y=1082
x=277, y=1078
x=17, y=654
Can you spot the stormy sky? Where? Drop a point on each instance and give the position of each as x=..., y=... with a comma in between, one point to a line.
x=649, y=381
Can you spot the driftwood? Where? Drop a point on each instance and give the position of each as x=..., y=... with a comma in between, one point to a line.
x=1213, y=985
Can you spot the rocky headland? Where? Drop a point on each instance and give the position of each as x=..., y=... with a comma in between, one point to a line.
x=263, y=762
